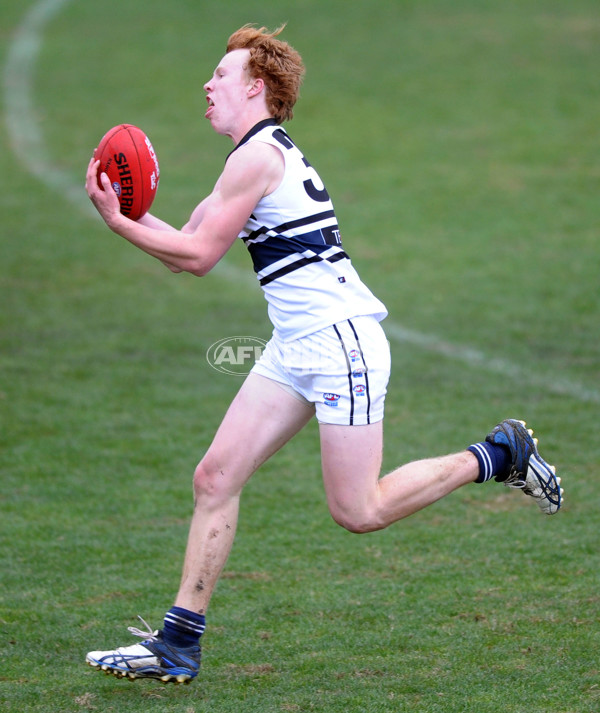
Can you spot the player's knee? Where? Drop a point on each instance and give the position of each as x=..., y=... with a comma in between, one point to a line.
x=202, y=480
x=209, y=483
x=357, y=521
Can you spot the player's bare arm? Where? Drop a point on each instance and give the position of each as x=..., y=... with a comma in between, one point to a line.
x=251, y=172
x=151, y=221
x=196, y=217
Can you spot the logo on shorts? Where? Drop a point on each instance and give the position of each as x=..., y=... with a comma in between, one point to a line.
x=354, y=355
x=359, y=389
x=235, y=355
x=331, y=400
x=358, y=373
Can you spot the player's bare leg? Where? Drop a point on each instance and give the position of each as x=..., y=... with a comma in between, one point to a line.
x=260, y=420
x=362, y=501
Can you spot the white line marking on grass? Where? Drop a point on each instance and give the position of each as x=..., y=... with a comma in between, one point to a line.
x=495, y=365
x=22, y=122
x=30, y=148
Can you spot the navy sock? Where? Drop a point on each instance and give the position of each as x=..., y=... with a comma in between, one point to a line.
x=183, y=628
x=493, y=460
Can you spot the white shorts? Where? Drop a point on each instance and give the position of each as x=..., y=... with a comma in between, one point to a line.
x=343, y=370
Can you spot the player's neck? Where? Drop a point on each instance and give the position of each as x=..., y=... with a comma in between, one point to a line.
x=250, y=120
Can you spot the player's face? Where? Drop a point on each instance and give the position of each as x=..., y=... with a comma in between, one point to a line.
x=226, y=91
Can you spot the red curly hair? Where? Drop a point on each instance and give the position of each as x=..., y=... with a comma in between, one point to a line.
x=275, y=62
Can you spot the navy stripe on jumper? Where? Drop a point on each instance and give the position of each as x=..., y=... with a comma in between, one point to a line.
x=290, y=225
x=301, y=262
x=274, y=248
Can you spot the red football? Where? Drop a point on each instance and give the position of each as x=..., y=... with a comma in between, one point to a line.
x=127, y=157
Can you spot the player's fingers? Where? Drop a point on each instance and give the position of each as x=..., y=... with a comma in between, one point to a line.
x=106, y=184
x=92, y=169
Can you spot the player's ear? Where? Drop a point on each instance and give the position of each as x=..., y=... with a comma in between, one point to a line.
x=256, y=87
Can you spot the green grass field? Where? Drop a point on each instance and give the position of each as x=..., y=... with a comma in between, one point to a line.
x=460, y=143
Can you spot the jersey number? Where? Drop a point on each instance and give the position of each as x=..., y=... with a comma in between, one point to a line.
x=319, y=195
